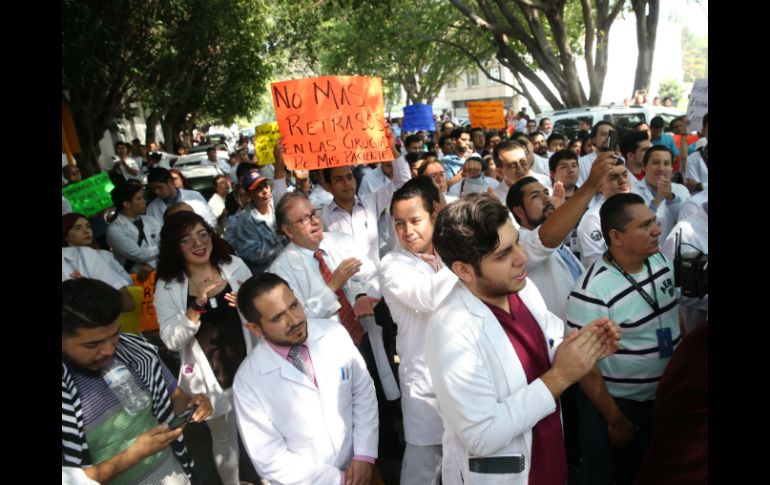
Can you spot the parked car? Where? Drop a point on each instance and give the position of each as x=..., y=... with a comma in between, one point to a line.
x=200, y=177
x=624, y=118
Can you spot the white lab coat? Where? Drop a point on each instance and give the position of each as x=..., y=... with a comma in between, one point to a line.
x=90, y=264
x=666, y=214
x=295, y=432
x=122, y=236
x=413, y=291
x=485, y=402
x=548, y=270
x=178, y=334
x=304, y=278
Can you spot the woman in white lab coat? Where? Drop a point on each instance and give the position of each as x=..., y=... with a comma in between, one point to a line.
x=198, y=279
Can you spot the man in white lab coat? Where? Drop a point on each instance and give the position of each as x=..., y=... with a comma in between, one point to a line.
x=415, y=282
x=304, y=401
x=496, y=356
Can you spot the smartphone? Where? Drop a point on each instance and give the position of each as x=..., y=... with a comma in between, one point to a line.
x=612, y=142
x=182, y=419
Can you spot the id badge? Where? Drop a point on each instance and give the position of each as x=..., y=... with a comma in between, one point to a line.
x=665, y=342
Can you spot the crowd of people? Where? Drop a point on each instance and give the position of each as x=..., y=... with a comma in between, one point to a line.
x=513, y=296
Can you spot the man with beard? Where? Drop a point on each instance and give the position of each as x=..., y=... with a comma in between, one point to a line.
x=108, y=438
x=496, y=356
x=551, y=265
x=305, y=404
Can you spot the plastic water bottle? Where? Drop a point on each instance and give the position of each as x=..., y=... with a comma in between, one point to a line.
x=121, y=383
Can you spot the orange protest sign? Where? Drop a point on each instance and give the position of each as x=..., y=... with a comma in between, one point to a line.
x=486, y=114
x=331, y=121
x=148, y=320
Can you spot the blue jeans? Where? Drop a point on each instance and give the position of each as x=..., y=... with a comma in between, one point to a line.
x=604, y=464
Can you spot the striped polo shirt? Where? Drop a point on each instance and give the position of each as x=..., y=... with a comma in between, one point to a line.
x=634, y=371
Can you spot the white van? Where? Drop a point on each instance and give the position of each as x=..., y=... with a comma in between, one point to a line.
x=565, y=121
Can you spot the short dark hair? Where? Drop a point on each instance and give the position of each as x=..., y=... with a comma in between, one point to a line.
x=118, y=143
x=542, y=120
x=467, y=229
x=477, y=128
x=253, y=287
x=123, y=193
x=171, y=262
x=456, y=133
x=505, y=146
x=595, y=128
x=674, y=120
x=657, y=122
x=327, y=172
x=638, y=124
x=515, y=196
x=411, y=158
x=424, y=166
x=281, y=217
x=557, y=157
x=442, y=139
x=629, y=142
x=158, y=174
x=613, y=213
x=656, y=148
x=88, y=303
x=243, y=169
x=421, y=186
x=217, y=177
x=412, y=139
x=212, y=148
x=556, y=136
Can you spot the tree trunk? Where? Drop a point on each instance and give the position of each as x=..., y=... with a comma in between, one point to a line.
x=152, y=122
x=646, y=33
x=527, y=94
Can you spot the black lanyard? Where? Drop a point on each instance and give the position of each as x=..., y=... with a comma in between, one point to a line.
x=639, y=289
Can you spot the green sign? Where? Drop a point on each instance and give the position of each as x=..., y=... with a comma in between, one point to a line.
x=90, y=196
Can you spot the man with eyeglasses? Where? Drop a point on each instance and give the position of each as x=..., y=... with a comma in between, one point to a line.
x=511, y=160
x=333, y=277
x=255, y=236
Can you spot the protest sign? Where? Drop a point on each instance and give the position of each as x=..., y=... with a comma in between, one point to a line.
x=486, y=114
x=331, y=121
x=265, y=138
x=90, y=196
x=418, y=117
x=699, y=104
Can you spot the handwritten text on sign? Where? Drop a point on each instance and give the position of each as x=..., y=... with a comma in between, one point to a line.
x=265, y=138
x=90, y=196
x=699, y=103
x=331, y=121
x=486, y=114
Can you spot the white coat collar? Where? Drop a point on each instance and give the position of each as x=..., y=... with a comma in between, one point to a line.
x=270, y=361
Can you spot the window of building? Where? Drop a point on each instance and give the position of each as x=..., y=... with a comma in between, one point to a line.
x=472, y=78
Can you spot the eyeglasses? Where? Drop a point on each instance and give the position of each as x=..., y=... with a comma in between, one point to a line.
x=512, y=165
x=304, y=220
x=189, y=241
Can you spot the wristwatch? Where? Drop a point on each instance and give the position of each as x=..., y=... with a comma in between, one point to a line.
x=194, y=305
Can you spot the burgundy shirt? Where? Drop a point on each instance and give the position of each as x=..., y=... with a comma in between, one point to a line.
x=548, y=458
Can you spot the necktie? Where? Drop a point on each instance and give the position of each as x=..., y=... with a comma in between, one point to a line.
x=296, y=360
x=347, y=317
x=569, y=260
x=140, y=225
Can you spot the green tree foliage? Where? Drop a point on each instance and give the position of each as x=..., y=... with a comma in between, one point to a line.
x=695, y=51
x=182, y=58
x=546, y=35
x=670, y=88
x=105, y=47
x=409, y=44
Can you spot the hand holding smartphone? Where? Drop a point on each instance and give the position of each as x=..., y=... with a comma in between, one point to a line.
x=183, y=418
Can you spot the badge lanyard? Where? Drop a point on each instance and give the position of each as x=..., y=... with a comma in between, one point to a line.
x=665, y=343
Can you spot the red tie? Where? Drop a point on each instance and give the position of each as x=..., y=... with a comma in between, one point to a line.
x=346, y=314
